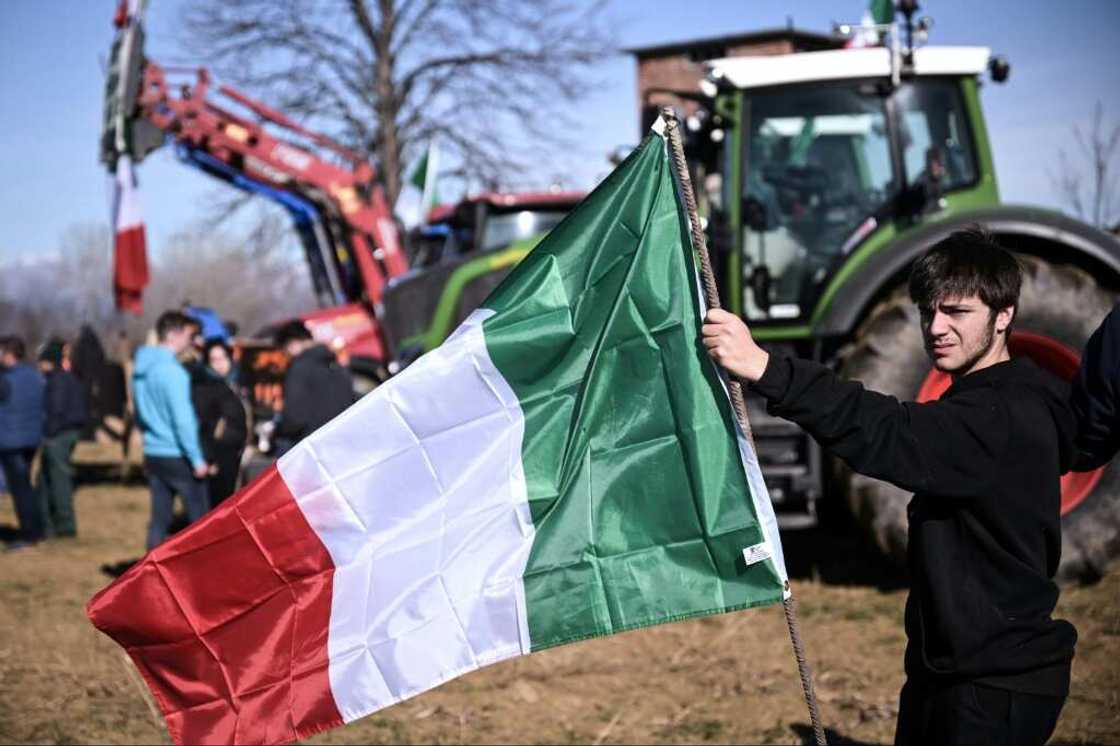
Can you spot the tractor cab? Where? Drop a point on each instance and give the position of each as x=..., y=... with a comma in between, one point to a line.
x=821, y=152
x=823, y=175
x=485, y=223
x=461, y=254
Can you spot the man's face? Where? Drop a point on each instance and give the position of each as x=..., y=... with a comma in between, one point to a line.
x=959, y=332
x=179, y=339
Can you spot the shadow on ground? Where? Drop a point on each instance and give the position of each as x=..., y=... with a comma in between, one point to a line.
x=116, y=569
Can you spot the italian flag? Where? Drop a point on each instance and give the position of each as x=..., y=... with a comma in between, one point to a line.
x=565, y=466
x=130, y=257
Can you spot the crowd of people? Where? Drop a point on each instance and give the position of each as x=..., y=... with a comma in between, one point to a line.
x=188, y=403
x=42, y=411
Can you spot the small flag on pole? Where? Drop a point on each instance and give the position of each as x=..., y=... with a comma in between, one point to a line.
x=566, y=465
x=118, y=147
x=420, y=194
x=878, y=12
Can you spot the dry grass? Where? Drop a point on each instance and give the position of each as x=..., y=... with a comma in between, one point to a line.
x=727, y=679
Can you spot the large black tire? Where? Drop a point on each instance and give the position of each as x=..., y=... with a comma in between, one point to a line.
x=1058, y=301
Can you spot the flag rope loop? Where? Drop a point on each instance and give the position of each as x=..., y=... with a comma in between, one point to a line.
x=735, y=388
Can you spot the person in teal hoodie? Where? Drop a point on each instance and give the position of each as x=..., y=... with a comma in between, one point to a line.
x=173, y=456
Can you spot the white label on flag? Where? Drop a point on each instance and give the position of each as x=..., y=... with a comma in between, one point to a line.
x=757, y=553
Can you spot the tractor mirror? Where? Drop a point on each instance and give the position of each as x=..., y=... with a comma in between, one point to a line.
x=754, y=215
x=760, y=287
x=999, y=68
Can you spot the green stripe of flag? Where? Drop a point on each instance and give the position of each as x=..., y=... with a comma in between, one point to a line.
x=635, y=481
x=882, y=10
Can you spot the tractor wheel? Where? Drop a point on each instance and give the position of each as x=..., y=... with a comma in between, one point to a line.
x=1059, y=307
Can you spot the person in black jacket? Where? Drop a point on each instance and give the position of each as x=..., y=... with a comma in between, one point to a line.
x=985, y=661
x=66, y=414
x=223, y=424
x=1095, y=397
x=316, y=386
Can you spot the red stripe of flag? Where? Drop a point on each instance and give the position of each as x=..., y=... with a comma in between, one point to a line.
x=130, y=258
x=227, y=621
x=130, y=269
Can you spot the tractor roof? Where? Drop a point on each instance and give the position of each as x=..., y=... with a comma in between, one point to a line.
x=508, y=201
x=870, y=62
x=527, y=199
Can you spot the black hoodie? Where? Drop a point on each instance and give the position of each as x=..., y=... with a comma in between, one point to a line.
x=1096, y=395
x=316, y=389
x=985, y=533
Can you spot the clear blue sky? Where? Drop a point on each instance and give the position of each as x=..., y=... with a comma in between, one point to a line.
x=1063, y=57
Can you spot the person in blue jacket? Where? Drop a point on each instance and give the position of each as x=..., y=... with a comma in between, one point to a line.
x=21, y=431
x=173, y=456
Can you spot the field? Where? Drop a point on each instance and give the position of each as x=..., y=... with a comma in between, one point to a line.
x=725, y=679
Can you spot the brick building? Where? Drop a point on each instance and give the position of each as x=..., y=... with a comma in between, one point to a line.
x=679, y=66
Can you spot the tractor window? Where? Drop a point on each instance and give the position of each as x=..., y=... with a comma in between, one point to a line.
x=503, y=229
x=934, y=134
x=817, y=165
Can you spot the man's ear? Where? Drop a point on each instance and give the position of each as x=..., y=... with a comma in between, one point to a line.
x=1004, y=319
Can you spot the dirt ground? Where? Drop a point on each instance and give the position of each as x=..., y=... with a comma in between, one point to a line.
x=725, y=679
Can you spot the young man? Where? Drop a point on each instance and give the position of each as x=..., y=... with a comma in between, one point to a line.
x=172, y=455
x=316, y=387
x=985, y=662
x=65, y=415
x=21, y=430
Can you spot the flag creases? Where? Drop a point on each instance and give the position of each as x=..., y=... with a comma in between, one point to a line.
x=566, y=465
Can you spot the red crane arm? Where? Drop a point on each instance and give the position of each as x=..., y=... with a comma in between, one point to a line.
x=351, y=192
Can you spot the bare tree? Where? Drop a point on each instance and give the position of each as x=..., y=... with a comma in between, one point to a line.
x=490, y=79
x=254, y=279
x=54, y=292
x=1092, y=196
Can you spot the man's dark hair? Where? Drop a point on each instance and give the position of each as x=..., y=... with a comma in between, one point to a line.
x=967, y=262
x=172, y=321
x=14, y=346
x=52, y=351
x=292, y=331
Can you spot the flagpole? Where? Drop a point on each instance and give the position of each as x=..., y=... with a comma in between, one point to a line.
x=711, y=296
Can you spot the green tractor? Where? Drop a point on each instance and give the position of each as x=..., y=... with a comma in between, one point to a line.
x=824, y=175
x=457, y=258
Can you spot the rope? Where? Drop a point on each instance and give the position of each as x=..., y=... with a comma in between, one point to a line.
x=735, y=389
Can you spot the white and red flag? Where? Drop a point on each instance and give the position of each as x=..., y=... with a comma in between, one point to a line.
x=130, y=256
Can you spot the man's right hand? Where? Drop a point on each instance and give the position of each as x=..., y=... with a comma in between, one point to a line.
x=201, y=471
x=730, y=344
